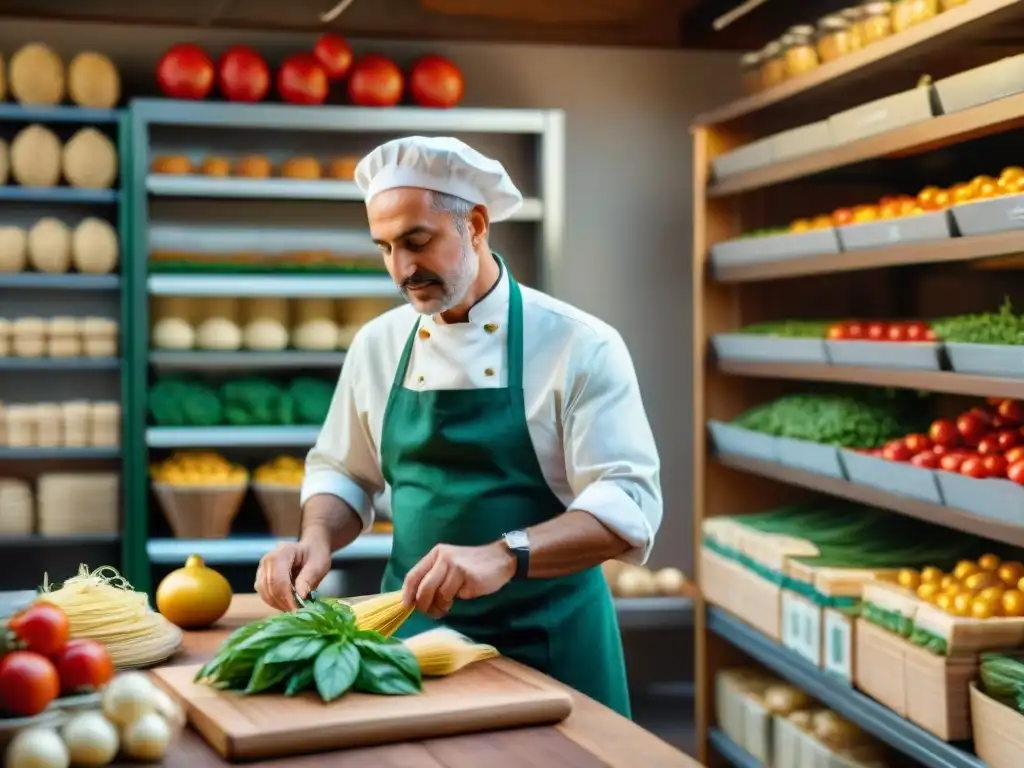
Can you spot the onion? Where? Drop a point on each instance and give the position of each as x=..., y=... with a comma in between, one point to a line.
x=147, y=738
x=37, y=748
x=91, y=740
x=128, y=698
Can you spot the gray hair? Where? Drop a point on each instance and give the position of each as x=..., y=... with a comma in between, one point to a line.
x=457, y=207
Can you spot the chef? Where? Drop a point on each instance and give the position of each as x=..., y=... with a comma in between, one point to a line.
x=506, y=425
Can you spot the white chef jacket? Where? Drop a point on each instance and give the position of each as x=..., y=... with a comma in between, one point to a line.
x=583, y=406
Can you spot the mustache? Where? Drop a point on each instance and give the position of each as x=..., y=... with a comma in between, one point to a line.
x=422, y=277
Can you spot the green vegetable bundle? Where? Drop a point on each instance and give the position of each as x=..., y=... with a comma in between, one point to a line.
x=317, y=647
x=1002, y=678
x=834, y=419
x=251, y=401
x=795, y=329
x=178, y=403
x=1003, y=328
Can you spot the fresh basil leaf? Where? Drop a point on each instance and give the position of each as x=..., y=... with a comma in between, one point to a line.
x=336, y=669
x=295, y=649
x=268, y=675
x=381, y=677
x=300, y=681
x=397, y=654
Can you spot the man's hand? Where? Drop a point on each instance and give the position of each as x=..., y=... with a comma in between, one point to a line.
x=449, y=572
x=303, y=563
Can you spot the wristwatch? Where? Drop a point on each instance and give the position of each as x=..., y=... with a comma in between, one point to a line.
x=518, y=544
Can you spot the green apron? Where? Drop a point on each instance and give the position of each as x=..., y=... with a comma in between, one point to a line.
x=462, y=470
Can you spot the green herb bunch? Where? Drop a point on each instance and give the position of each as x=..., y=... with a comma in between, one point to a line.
x=1004, y=327
x=798, y=329
x=318, y=646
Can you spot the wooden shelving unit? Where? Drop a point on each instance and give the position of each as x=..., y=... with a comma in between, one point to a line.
x=909, y=280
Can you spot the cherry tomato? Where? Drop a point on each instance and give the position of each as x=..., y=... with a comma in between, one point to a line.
x=896, y=450
x=941, y=450
x=1007, y=439
x=83, y=665
x=996, y=465
x=917, y=443
x=917, y=332
x=944, y=432
x=897, y=332
x=972, y=427
x=837, y=332
x=1011, y=410
x=974, y=466
x=1016, y=472
x=855, y=331
x=1015, y=454
x=877, y=331
x=28, y=683
x=926, y=460
x=930, y=335
x=43, y=628
x=951, y=461
x=988, y=446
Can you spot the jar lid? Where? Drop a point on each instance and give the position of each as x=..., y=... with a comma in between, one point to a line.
x=877, y=7
x=772, y=49
x=751, y=59
x=801, y=30
x=792, y=39
x=833, y=23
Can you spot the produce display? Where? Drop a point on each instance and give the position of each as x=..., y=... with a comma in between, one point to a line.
x=1002, y=678
x=843, y=420
x=50, y=246
x=62, y=337
x=852, y=330
x=796, y=329
x=37, y=158
x=283, y=470
x=982, y=588
x=191, y=468
x=626, y=580
x=341, y=168
x=72, y=424
x=37, y=76
x=1004, y=327
x=245, y=402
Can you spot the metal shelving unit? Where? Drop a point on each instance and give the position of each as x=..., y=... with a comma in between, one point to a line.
x=735, y=755
x=155, y=124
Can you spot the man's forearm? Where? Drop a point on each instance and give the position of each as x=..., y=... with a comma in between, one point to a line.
x=569, y=543
x=325, y=517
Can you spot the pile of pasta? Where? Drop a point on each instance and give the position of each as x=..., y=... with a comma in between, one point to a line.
x=101, y=605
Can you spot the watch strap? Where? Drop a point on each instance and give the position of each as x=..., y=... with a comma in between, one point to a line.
x=521, y=552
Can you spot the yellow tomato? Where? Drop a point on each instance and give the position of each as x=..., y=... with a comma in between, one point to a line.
x=989, y=562
x=992, y=593
x=927, y=196
x=800, y=225
x=984, y=609
x=931, y=575
x=824, y=221
x=964, y=569
x=981, y=580
x=1011, y=172
x=961, y=193
x=947, y=581
x=908, y=578
x=1013, y=603
x=944, y=601
x=928, y=592
x=1010, y=573
x=962, y=604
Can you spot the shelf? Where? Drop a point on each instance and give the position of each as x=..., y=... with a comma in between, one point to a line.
x=64, y=540
x=59, y=363
x=654, y=612
x=941, y=131
x=57, y=454
x=231, y=437
x=944, y=32
x=930, y=381
x=20, y=113
x=194, y=361
x=935, y=252
x=249, y=550
x=63, y=282
x=292, y=286
x=922, y=510
x=874, y=718
x=734, y=755
x=14, y=194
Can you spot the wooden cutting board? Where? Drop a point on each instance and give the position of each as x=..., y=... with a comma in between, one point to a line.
x=486, y=696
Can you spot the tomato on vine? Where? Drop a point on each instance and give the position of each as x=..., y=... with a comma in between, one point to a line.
x=43, y=628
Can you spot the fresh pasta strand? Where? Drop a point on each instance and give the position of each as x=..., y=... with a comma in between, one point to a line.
x=444, y=651
x=384, y=613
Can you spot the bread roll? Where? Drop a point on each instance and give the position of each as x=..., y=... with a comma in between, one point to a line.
x=12, y=249
x=49, y=246
x=316, y=335
x=93, y=81
x=94, y=247
x=220, y=334
x=5, y=160
x=36, y=157
x=216, y=166
x=90, y=160
x=37, y=75
x=171, y=164
x=173, y=333
x=254, y=167
x=301, y=168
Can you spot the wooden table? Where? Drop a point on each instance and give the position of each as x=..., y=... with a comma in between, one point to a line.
x=592, y=737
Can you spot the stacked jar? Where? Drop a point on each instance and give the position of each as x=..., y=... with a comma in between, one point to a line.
x=773, y=65
x=834, y=39
x=876, y=21
x=750, y=72
x=799, y=51
x=910, y=13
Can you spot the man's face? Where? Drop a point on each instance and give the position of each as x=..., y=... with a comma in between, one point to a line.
x=430, y=260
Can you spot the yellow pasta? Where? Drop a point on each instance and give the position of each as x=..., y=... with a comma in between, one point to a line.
x=384, y=613
x=101, y=605
x=443, y=651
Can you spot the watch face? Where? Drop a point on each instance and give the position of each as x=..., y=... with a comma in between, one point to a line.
x=517, y=540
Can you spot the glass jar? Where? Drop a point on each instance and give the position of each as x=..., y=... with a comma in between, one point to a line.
x=877, y=22
x=798, y=50
x=855, y=18
x=750, y=72
x=773, y=66
x=910, y=13
x=833, y=40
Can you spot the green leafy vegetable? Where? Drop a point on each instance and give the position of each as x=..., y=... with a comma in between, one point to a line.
x=336, y=669
x=1003, y=328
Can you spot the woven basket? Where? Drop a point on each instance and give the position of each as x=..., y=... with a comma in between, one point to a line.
x=200, y=511
x=280, y=505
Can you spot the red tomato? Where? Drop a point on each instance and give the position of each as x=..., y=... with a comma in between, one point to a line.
x=896, y=450
x=877, y=331
x=930, y=335
x=1016, y=472
x=302, y=80
x=941, y=450
x=836, y=332
x=926, y=460
x=83, y=665
x=972, y=427
x=334, y=54
x=944, y=432
x=1011, y=410
x=974, y=466
x=1007, y=439
x=28, y=683
x=988, y=446
x=43, y=628
x=434, y=81
x=917, y=443
x=951, y=461
x=878, y=453
x=185, y=72
x=995, y=465
x=917, y=331
x=375, y=81
x=242, y=74
x=855, y=331
x=1015, y=454
x=897, y=332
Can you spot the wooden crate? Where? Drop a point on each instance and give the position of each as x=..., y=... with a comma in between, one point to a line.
x=938, y=692
x=741, y=592
x=880, y=666
x=967, y=635
x=998, y=731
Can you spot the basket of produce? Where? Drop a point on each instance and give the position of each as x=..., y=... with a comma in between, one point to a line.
x=277, y=486
x=997, y=704
x=791, y=341
x=988, y=344
x=883, y=344
x=200, y=493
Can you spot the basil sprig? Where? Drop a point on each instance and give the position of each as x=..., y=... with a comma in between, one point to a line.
x=316, y=647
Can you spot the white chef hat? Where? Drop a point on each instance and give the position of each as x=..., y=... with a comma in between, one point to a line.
x=441, y=164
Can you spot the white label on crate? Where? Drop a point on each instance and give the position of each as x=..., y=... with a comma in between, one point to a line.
x=838, y=645
x=812, y=632
x=792, y=622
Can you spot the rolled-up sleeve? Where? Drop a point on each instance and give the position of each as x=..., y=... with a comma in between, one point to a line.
x=612, y=461
x=344, y=460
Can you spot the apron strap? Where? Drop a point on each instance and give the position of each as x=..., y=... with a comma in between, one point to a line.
x=403, y=362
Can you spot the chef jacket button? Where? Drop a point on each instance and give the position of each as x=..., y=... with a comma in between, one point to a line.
x=490, y=327
x=424, y=333
x=419, y=379
x=488, y=372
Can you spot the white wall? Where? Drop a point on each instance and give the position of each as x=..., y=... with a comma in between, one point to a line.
x=628, y=187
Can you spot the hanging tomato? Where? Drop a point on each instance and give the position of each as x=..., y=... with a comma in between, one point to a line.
x=242, y=74
x=185, y=72
x=334, y=54
x=434, y=81
x=302, y=80
x=375, y=81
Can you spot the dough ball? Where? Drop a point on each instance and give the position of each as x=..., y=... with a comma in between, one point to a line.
x=315, y=335
x=265, y=335
x=254, y=167
x=13, y=253
x=219, y=333
x=93, y=81
x=94, y=247
x=343, y=168
x=37, y=75
x=216, y=166
x=301, y=168
x=173, y=333
x=172, y=164
x=49, y=246
x=35, y=157
x=5, y=160
x=90, y=160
